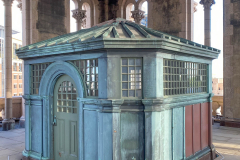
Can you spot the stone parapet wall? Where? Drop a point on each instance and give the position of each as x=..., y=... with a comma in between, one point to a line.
x=16, y=107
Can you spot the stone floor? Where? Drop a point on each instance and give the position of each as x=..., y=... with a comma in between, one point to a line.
x=227, y=142
x=12, y=144
x=225, y=139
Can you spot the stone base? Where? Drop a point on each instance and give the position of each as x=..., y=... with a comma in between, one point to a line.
x=8, y=124
x=230, y=123
x=22, y=122
x=209, y=156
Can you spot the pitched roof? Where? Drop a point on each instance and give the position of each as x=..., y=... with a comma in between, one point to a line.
x=115, y=30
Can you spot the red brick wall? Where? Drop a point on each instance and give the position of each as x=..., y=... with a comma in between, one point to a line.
x=196, y=127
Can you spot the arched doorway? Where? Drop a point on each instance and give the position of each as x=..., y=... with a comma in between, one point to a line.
x=65, y=119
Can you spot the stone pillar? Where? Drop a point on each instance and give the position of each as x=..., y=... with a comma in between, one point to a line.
x=25, y=39
x=207, y=20
x=80, y=16
x=8, y=122
x=138, y=15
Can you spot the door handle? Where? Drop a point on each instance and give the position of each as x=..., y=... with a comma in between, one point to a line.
x=54, y=121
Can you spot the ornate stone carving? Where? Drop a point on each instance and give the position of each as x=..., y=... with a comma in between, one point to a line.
x=84, y=23
x=19, y=4
x=7, y=2
x=195, y=4
x=79, y=15
x=207, y=3
x=138, y=15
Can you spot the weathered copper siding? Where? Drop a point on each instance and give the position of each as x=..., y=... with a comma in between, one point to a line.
x=205, y=121
x=188, y=130
x=196, y=128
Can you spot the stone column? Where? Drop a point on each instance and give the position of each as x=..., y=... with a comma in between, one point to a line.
x=22, y=119
x=207, y=20
x=138, y=15
x=80, y=16
x=8, y=122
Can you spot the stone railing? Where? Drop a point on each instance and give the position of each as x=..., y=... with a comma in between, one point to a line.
x=217, y=101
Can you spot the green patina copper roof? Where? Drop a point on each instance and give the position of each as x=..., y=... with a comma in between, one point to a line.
x=115, y=29
x=115, y=34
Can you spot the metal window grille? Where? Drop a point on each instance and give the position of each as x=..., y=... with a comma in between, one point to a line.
x=182, y=77
x=37, y=72
x=67, y=98
x=132, y=77
x=89, y=70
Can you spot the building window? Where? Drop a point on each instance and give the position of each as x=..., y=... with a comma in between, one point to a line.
x=132, y=77
x=219, y=88
x=15, y=94
x=15, y=85
x=14, y=51
x=20, y=67
x=20, y=76
x=14, y=76
x=37, y=72
x=14, y=66
x=20, y=94
x=20, y=85
x=184, y=77
x=89, y=70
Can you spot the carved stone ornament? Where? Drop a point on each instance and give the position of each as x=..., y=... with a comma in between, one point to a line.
x=207, y=3
x=7, y=2
x=79, y=15
x=138, y=15
x=19, y=4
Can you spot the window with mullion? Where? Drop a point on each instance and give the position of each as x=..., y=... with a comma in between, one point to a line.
x=36, y=75
x=131, y=77
x=182, y=77
x=89, y=70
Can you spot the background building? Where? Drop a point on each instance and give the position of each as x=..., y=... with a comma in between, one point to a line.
x=217, y=86
x=16, y=65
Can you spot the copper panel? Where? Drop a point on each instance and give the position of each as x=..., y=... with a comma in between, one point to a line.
x=205, y=124
x=196, y=127
x=188, y=131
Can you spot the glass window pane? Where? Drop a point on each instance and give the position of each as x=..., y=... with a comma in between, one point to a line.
x=132, y=93
x=124, y=77
x=125, y=93
x=138, y=62
x=124, y=62
x=131, y=62
x=124, y=69
x=125, y=85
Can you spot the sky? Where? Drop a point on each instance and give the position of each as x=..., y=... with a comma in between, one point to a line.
x=217, y=28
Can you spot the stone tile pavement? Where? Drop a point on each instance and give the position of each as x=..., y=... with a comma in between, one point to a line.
x=12, y=143
x=227, y=142
x=225, y=139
